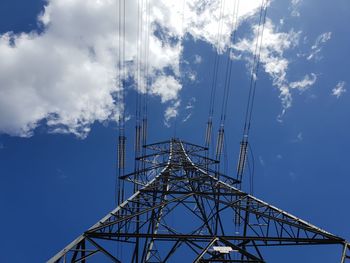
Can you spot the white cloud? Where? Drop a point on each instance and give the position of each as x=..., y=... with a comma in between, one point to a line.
x=192, y=76
x=197, y=59
x=305, y=83
x=167, y=87
x=204, y=17
x=189, y=108
x=261, y=161
x=190, y=104
x=187, y=117
x=317, y=46
x=293, y=176
x=298, y=138
x=171, y=112
x=339, y=89
x=272, y=57
x=66, y=76
x=295, y=4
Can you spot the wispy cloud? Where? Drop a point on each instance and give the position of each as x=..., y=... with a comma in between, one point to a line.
x=189, y=115
x=318, y=45
x=192, y=75
x=171, y=112
x=293, y=176
x=189, y=108
x=190, y=104
x=61, y=174
x=295, y=4
x=339, y=89
x=197, y=59
x=305, y=83
x=274, y=61
x=298, y=138
x=261, y=161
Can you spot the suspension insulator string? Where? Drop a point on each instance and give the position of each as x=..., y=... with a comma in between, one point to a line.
x=244, y=145
x=208, y=132
x=216, y=64
x=121, y=166
x=242, y=159
x=227, y=86
x=121, y=147
x=220, y=143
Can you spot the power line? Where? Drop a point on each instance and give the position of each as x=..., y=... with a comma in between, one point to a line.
x=214, y=81
x=227, y=85
x=121, y=98
x=252, y=89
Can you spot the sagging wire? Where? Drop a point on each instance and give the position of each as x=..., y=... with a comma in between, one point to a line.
x=121, y=148
x=244, y=144
x=142, y=88
x=209, y=127
x=221, y=132
x=146, y=84
x=138, y=83
x=227, y=86
x=143, y=85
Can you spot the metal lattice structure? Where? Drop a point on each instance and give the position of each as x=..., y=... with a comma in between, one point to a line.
x=183, y=209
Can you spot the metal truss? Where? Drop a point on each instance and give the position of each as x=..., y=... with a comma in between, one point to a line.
x=183, y=209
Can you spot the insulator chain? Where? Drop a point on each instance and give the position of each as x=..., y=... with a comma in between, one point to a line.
x=242, y=159
x=121, y=152
x=138, y=140
x=144, y=131
x=208, y=133
x=220, y=143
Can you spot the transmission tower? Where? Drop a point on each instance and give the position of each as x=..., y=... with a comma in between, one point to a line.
x=184, y=210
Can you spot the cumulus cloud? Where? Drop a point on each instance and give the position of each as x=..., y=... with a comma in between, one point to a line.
x=317, y=46
x=339, y=89
x=67, y=76
x=167, y=87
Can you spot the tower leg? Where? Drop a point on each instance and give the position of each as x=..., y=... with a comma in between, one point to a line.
x=344, y=256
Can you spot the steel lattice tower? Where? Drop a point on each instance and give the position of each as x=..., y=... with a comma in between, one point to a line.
x=183, y=209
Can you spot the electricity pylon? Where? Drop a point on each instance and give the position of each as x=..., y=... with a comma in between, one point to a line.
x=184, y=210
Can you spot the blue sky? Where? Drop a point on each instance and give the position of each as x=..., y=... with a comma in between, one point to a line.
x=58, y=132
